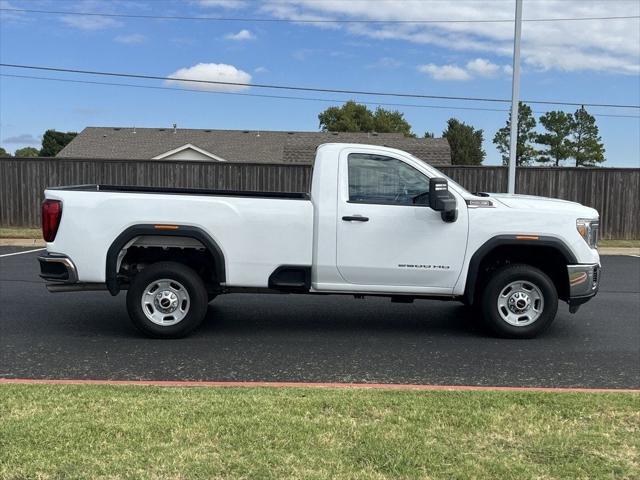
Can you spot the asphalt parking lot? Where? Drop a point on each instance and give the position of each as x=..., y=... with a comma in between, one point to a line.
x=317, y=339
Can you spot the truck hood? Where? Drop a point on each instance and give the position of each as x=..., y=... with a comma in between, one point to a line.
x=530, y=202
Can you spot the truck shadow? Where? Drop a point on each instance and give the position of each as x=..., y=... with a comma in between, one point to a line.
x=98, y=314
x=339, y=314
x=248, y=316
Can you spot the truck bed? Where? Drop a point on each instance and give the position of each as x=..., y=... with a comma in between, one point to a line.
x=257, y=231
x=183, y=191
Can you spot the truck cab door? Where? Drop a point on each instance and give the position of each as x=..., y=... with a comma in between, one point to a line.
x=386, y=239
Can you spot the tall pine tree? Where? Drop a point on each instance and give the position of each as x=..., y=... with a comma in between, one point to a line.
x=558, y=126
x=525, y=152
x=585, y=144
x=465, y=143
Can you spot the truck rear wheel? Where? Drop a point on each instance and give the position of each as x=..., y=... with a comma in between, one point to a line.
x=167, y=300
x=519, y=301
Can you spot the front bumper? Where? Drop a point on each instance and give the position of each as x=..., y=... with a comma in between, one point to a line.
x=55, y=267
x=584, y=281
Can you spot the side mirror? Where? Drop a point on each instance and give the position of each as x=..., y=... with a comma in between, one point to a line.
x=441, y=200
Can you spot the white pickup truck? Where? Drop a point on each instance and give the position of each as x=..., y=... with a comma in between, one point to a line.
x=378, y=222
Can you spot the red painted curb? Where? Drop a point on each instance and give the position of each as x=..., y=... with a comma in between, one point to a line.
x=371, y=386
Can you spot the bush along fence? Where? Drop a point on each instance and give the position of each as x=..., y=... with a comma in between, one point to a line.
x=614, y=192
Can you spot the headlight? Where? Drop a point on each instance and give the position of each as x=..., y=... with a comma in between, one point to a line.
x=588, y=229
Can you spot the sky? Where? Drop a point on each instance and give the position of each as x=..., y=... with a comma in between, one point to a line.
x=588, y=61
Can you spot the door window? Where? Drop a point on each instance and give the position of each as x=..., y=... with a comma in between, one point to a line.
x=384, y=180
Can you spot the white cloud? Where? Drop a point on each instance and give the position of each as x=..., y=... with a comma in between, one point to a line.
x=386, y=62
x=228, y=4
x=216, y=72
x=10, y=16
x=478, y=67
x=131, y=39
x=483, y=68
x=291, y=11
x=89, y=23
x=241, y=36
x=23, y=139
x=444, y=72
x=302, y=54
x=183, y=41
x=611, y=46
x=260, y=70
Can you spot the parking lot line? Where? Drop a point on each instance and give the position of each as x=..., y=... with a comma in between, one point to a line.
x=20, y=253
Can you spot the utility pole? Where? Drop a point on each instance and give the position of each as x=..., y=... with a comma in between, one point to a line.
x=515, y=96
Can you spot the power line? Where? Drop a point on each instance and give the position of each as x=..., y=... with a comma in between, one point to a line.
x=284, y=97
x=284, y=20
x=309, y=89
x=280, y=97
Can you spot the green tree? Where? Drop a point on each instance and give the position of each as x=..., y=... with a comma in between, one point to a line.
x=585, y=144
x=525, y=152
x=350, y=117
x=558, y=126
x=354, y=117
x=465, y=143
x=27, y=152
x=54, y=141
x=391, y=121
x=429, y=135
x=4, y=153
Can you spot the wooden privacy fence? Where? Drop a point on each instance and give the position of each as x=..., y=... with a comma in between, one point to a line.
x=614, y=192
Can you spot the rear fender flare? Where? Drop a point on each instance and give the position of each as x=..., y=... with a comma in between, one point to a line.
x=111, y=276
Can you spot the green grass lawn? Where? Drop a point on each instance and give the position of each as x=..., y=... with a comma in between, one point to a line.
x=151, y=432
x=15, y=232
x=619, y=243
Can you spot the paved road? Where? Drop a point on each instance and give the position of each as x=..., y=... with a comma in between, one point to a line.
x=306, y=338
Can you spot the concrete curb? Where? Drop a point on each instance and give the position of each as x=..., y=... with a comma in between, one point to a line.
x=620, y=251
x=328, y=385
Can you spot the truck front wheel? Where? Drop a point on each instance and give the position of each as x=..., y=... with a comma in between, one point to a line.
x=519, y=301
x=167, y=300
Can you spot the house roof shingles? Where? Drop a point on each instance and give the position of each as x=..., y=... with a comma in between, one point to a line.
x=239, y=145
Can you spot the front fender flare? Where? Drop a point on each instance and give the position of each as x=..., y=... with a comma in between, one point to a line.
x=510, y=240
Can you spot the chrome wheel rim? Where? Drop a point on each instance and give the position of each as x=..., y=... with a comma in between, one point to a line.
x=520, y=303
x=165, y=302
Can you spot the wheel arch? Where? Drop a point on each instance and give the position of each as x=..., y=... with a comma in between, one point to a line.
x=196, y=233
x=520, y=247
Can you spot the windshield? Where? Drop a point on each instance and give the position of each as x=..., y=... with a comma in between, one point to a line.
x=449, y=179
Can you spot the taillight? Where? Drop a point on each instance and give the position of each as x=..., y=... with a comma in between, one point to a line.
x=51, y=215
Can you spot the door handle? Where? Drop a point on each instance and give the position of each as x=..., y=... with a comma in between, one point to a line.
x=355, y=218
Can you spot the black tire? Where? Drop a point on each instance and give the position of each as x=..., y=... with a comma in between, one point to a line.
x=499, y=281
x=196, y=306
x=211, y=297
